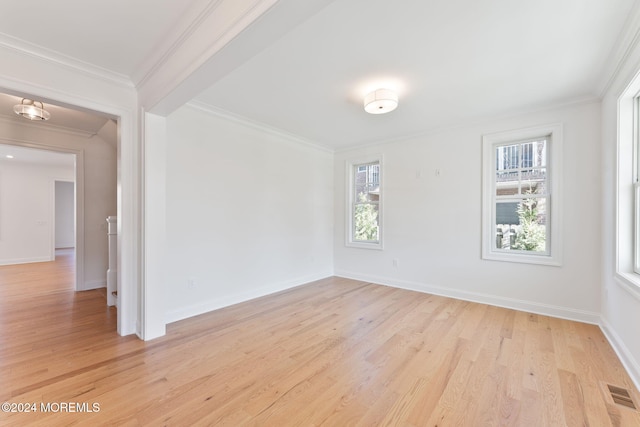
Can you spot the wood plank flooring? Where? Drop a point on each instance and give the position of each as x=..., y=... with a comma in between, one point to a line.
x=335, y=352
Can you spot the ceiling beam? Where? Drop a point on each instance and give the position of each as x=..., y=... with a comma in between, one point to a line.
x=224, y=36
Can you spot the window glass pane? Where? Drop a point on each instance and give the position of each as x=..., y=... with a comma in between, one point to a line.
x=520, y=169
x=367, y=182
x=507, y=157
x=522, y=225
x=532, y=231
x=507, y=220
x=507, y=173
x=365, y=222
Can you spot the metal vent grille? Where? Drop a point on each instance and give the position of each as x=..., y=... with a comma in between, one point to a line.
x=621, y=396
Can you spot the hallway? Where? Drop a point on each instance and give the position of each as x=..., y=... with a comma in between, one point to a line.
x=37, y=279
x=43, y=320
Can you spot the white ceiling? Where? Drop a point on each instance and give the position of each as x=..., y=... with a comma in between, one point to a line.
x=116, y=35
x=451, y=61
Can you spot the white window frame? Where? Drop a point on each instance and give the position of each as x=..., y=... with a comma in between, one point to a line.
x=636, y=185
x=636, y=231
x=351, y=164
x=627, y=231
x=553, y=256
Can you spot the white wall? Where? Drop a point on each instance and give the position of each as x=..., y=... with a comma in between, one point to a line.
x=248, y=213
x=432, y=224
x=65, y=215
x=100, y=186
x=27, y=211
x=100, y=201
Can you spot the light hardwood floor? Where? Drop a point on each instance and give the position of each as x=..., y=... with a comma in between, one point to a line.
x=335, y=352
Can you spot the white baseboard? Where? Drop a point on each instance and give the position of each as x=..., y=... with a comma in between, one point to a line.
x=228, y=300
x=92, y=284
x=70, y=245
x=527, y=306
x=624, y=354
x=24, y=260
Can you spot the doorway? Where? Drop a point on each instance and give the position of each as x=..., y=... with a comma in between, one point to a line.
x=69, y=164
x=118, y=125
x=27, y=202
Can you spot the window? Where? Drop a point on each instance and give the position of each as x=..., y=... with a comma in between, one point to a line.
x=364, y=214
x=521, y=203
x=627, y=230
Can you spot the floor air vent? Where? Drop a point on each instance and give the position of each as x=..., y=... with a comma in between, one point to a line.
x=621, y=396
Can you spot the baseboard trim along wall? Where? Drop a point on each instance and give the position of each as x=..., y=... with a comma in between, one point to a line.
x=228, y=300
x=93, y=284
x=624, y=354
x=24, y=260
x=530, y=307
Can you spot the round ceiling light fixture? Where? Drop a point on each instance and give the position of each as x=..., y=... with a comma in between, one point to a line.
x=29, y=109
x=380, y=101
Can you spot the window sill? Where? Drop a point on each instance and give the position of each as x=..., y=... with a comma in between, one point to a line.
x=630, y=282
x=374, y=246
x=522, y=258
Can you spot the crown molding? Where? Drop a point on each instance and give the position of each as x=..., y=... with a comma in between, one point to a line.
x=242, y=120
x=28, y=143
x=262, y=127
x=30, y=49
x=189, y=24
x=200, y=34
x=625, y=45
x=480, y=121
x=9, y=120
x=179, y=34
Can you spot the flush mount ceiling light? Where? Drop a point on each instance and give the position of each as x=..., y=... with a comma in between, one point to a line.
x=29, y=109
x=380, y=101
